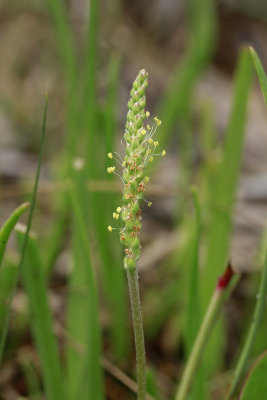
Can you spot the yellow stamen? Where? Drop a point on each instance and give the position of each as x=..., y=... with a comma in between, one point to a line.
x=158, y=121
x=110, y=155
x=110, y=228
x=111, y=170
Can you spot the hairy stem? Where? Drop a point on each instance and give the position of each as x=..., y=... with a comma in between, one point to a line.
x=133, y=285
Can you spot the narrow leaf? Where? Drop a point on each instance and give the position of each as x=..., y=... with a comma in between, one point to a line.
x=250, y=339
x=260, y=72
x=92, y=374
x=41, y=319
x=8, y=228
x=4, y=329
x=256, y=384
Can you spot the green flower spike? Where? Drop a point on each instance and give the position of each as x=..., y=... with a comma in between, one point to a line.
x=140, y=149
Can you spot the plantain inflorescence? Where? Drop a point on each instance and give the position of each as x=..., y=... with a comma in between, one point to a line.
x=140, y=150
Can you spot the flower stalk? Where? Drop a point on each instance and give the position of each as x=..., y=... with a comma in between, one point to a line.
x=140, y=150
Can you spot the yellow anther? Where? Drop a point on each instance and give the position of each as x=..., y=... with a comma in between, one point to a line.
x=148, y=127
x=163, y=153
x=146, y=179
x=158, y=121
x=110, y=155
x=117, y=216
x=149, y=204
x=118, y=209
x=111, y=170
x=156, y=143
x=123, y=164
x=147, y=114
x=151, y=159
x=110, y=228
x=150, y=141
x=114, y=215
x=143, y=132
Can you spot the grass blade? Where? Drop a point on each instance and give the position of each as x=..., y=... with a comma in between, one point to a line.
x=31, y=211
x=41, y=319
x=254, y=326
x=69, y=62
x=77, y=323
x=90, y=106
x=223, y=197
x=113, y=277
x=193, y=303
x=67, y=48
x=193, y=308
x=8, y=276
x=32, y=380
x=215, y=305
x=260, y=72
x=8, y=228
x=225, y=190
x=176, y=101
x=92, y=373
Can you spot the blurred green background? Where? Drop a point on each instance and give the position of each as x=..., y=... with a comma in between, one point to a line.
x=85, y=55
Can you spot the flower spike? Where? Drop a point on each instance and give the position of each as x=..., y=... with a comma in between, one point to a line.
x=140, y=149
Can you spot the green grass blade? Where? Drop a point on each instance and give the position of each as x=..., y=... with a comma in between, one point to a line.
x=8, y=227
x=152, y=384
x=260, y=72
x=59, y=14
x=8, y=276
x=255, y=385
x=223, y=198
x=176, y=101
x=217, y=300
x=250, y=339
x=69, y=63
x=92, y=372
x=29, y=223
x=110, y=107
x=193, y=303
x=90, y=107
x=225, y=191
x=55, y=242
x=113, y=276
x=77, y=324
x=67, y=48
x=41, y=319
x=32, y=380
